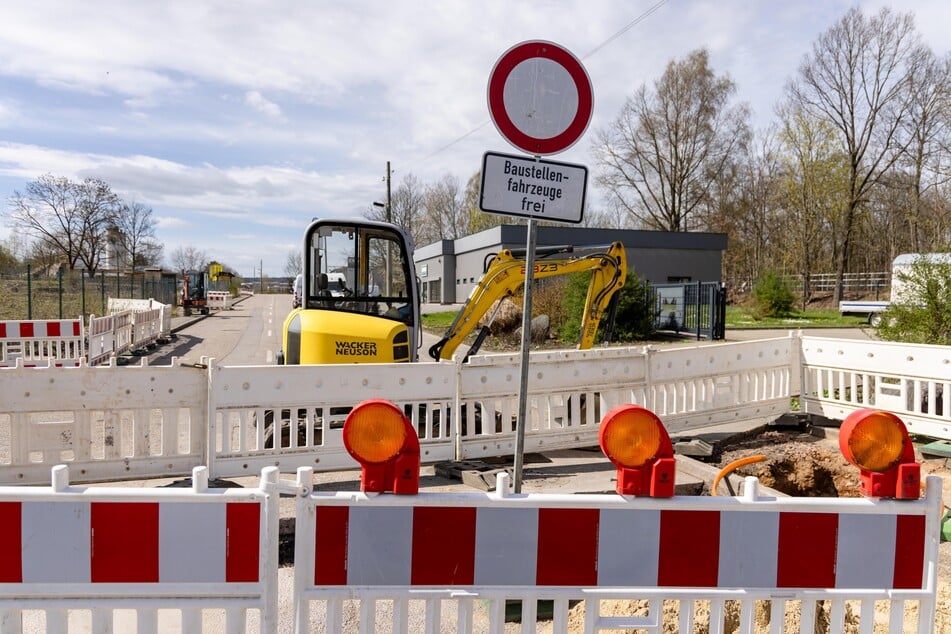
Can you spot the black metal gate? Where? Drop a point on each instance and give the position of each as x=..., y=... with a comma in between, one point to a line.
x=692, y=307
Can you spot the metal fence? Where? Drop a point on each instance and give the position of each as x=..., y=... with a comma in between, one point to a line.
x=869, y=282
x=26, y=294
x=693, y=307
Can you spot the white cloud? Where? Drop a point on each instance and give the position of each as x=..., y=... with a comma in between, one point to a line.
x=175, y=121
x=257, y=101
x=171, y=222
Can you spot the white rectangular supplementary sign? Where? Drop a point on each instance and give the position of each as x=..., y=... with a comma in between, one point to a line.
x=521, y=186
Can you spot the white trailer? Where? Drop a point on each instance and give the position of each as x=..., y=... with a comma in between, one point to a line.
x=899, y=291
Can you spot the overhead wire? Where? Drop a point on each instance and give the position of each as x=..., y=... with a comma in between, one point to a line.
x=627, y=27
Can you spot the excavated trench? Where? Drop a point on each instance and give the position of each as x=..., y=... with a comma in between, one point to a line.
x=800, y=462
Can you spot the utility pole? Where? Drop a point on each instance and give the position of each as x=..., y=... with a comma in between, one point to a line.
x=389, y=218
x=389, y=213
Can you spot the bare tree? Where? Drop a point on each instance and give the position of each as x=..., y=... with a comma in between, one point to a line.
x=614, y=217
x=188, y=258
x=858, y=77
x=813, y=190
x=406, y=206
x=743, y=207
x=928, y=127
x=137, y=234
x=8, y=259
x=294, y=263
x=476, y=219
x=46, y=257
x=445, y=218
x=49, y=210
x=99, y=205
x=657, y=158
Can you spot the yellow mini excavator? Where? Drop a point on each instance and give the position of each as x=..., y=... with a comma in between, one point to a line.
x=505, y=273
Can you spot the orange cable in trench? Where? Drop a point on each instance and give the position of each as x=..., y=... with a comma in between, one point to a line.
x=736, y=464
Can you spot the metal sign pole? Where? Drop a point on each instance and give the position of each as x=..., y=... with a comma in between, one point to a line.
x=526, y=345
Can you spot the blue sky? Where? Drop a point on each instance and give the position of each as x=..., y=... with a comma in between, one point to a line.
x=238, y=122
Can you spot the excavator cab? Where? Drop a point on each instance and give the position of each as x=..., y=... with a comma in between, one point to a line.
x=359, y=298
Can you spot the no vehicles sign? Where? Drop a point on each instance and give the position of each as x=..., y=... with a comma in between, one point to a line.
x=521, y=186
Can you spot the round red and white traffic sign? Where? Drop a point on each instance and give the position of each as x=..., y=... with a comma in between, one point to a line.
x=540, y=97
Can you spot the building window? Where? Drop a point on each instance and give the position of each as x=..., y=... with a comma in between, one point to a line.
x=424, y=270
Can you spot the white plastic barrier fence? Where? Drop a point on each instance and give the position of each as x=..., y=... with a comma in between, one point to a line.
x=262, y=415
x=107, y=423
x=459, y=412
x=219, y=300
x=142, y=323
x=42, y=343
x=118, y=305
x=570, y=390
x=912, y=381
x=257, y=416
x=102, y=339
x=145, y=560
x=194, y=560
x=451, y=553
x=146, y=328
x=469, y=411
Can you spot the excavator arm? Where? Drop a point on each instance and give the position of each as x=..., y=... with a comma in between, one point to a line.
x=506, y=273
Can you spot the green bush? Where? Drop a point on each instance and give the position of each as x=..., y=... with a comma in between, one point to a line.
x=771, y=296
x=634, y=320
x=924, y=316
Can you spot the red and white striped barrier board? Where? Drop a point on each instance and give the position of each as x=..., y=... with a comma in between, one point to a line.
x=154, y=560
x=795, y=553
x=591, y=547
x=42, y=343
x=219, y=300
x=43, y=542
x=49, y=329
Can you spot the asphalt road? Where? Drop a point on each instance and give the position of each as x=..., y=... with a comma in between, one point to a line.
x=248, y=334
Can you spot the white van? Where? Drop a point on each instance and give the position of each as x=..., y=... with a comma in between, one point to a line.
x=298, y=289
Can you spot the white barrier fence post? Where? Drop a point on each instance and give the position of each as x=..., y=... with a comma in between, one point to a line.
x=123, y=331
x=204, y=557
x=102, y=339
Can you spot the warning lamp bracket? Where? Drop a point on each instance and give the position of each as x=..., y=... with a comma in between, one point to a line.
x=655, y=479
x=399, y=475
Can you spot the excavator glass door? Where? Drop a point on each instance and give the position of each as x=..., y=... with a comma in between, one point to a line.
x=361, y=268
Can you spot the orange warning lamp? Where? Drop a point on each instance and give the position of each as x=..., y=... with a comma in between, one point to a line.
x=878, y=444
x=380, y=437
x=636, y=441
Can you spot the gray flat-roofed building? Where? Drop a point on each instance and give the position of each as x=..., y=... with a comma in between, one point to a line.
x=449, y=269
